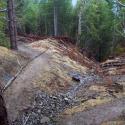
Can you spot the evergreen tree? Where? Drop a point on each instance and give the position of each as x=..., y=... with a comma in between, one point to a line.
x=98, y=28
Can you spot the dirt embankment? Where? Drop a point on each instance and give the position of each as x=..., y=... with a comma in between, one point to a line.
x=10, y=63
x=60, y=85
x=48, y=72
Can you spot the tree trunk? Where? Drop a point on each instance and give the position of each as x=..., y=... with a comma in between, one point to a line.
x=79, y=28
x=3, y=112
x=79, y=25
x=12, y=24
x=55, y=19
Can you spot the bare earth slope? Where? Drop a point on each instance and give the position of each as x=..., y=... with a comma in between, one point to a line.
x=38, y=74
x=61, y=86
x=98, y=115
x=9, y=64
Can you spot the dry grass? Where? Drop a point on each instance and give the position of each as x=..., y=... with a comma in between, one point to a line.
x=55, y=77
x=10, y=62
x=117, y=122
x=87, y=105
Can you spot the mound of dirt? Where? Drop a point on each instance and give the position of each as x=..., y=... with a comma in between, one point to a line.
x=60, y=84
x=48, y=70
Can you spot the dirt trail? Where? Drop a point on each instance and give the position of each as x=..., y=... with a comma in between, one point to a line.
x=27, y=51
x=18, y=96
x=97, y=115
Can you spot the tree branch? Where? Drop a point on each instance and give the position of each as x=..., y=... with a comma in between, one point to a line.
x=121, y=4
x=3, y=10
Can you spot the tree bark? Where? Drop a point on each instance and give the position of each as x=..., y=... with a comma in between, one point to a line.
x=12, y=24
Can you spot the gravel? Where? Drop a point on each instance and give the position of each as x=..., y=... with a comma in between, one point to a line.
x=46, y=107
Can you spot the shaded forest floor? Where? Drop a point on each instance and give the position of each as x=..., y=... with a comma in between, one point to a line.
x=61, y=86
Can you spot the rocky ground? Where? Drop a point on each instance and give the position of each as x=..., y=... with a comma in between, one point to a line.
x=61, y=86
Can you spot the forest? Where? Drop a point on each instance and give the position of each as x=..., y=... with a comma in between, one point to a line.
x=62, y=62
x=95, y=25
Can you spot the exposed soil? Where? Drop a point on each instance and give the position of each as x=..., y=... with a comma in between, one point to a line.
x=97, y=115
x=57, y=88
x=23, y=88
